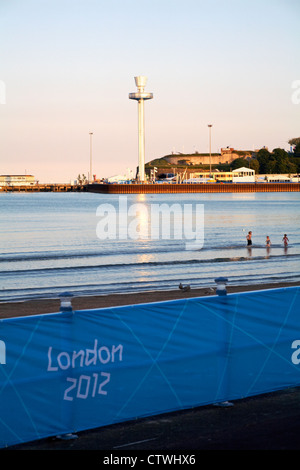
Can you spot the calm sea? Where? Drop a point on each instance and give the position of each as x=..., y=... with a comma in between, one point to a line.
x=49, y=244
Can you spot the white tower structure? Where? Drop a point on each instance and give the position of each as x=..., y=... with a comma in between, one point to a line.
x=140, y=96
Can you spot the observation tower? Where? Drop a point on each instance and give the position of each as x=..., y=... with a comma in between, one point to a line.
x=140, y=96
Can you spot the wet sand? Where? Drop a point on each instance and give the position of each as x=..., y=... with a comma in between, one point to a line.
x=41, y=306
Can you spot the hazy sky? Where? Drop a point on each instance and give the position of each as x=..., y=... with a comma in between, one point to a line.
x=67, y=67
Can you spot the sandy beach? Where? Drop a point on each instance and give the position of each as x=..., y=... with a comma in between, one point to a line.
x=43, y=306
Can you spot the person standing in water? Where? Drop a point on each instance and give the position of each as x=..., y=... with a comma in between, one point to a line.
x=285, y=240
x=249, y=239
x=268, y=241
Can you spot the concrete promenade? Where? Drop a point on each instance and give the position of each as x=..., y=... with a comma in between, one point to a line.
x=263, y=422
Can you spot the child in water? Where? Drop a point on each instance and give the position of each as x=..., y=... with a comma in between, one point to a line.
x=249, y=239
x=285, y=240
x=268, y=241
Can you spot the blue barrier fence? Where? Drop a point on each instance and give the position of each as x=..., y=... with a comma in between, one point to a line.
x=70, y=371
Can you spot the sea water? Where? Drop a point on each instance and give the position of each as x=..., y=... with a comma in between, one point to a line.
x=50, y=244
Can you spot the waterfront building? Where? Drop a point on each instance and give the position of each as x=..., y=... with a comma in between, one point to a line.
x=17, y=180
x=243, y=175
x=240, y=175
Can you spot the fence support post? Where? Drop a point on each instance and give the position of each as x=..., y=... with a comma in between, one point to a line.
x=222, y=291
x=221, y=285
x=66, y=306
x=65, y=302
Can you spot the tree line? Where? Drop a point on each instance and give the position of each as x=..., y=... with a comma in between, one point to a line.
x=277, y=161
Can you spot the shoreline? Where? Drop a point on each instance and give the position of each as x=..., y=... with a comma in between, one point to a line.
x=44, y=306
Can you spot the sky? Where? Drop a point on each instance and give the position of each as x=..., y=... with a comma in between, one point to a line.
x=67, y=67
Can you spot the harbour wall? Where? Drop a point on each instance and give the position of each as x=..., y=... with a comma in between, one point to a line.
x=192, y=188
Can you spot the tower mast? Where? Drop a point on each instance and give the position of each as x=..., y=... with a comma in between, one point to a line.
x=140, y=96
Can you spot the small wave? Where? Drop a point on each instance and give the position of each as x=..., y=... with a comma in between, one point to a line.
x=8, y=257
x=50, y=292
x=176, y=247
x=148, y=264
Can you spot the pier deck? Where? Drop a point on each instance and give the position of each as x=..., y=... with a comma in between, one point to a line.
x=50, y=187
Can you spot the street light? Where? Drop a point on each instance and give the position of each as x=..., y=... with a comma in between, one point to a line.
x=91, y=176
x=210, y=126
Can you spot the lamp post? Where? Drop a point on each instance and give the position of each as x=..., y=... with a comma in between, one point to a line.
x=210, y=126
x=91, y=176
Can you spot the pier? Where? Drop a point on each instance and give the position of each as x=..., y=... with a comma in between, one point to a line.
x=49, y=187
